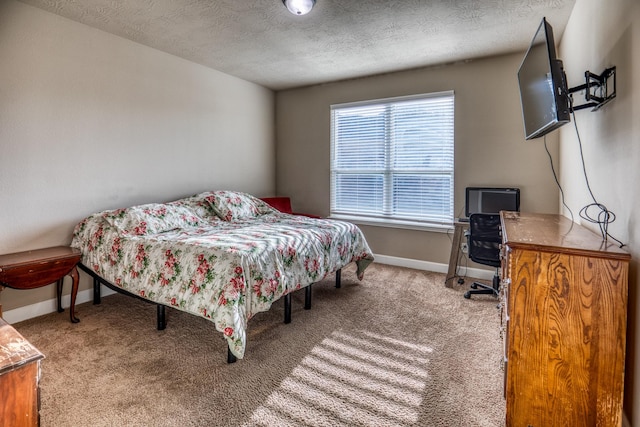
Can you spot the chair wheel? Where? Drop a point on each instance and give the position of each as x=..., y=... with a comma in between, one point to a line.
x=460, y=281
x=467, y=295
x=474, y=286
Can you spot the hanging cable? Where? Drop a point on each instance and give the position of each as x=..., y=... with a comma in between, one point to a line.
x=555, y=176
x=604, y=216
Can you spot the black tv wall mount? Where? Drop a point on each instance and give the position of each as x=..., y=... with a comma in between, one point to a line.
x=599, y=89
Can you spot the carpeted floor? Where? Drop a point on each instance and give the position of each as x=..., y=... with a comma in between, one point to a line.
x=397, y=349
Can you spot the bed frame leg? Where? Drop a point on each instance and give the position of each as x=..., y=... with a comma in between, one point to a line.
x=287, y=308
x=338, y=277
x=162, y=323
x=307, y=297
x=96, y=291
x=230, y=357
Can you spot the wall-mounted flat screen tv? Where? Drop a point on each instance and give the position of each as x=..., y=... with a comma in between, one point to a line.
x=543, y=90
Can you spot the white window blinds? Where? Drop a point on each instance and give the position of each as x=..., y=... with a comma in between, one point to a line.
x=392, y=160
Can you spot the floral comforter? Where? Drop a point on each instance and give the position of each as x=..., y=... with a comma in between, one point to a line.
x=221, y=255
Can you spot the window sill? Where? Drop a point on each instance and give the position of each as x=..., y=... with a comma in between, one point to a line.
x=394, y=223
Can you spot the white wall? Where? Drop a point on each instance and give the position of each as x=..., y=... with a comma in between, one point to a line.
x=490, y=149
x=601, y=34
x=90, y=121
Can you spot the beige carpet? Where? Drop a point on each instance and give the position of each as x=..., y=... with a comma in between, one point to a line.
x=397, y=349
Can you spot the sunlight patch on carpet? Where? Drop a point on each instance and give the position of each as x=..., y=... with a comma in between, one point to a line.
x=357, y=378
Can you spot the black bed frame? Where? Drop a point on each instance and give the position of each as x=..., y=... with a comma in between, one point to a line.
x=161, y=318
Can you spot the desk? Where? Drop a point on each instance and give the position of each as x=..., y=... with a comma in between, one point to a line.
x=458, y=233
x=41, y=267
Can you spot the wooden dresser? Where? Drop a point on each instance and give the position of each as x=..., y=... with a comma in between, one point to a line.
x=19, y=379
x=564, y=318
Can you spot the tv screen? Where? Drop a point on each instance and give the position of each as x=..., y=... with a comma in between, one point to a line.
x=491, y=200
x=543, y=92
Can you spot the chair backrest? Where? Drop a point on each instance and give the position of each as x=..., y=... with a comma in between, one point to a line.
x=484, y=239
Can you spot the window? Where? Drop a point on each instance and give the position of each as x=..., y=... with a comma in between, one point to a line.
x=392, y=160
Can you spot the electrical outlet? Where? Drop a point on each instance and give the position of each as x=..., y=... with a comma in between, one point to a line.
x=464, y=248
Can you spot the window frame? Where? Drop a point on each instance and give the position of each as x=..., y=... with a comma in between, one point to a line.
x=380, y=218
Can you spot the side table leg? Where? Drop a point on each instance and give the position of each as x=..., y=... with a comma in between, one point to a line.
x=59, y=294
x=75, y=279
x=455, y=254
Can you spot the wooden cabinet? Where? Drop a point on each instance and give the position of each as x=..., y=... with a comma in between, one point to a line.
x=19, y=379
x=564, y=302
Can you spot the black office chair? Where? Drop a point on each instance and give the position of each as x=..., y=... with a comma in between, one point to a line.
x=484, y=240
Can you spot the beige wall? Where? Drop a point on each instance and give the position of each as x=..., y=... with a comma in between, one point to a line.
x=601, y=34
x=90, y=121
x=489, y=144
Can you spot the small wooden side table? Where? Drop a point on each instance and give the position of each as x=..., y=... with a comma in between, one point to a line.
x=41, y=267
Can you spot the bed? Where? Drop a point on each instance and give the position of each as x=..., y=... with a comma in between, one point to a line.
x=221, y=255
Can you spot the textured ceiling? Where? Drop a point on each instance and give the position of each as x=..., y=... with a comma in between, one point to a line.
x=260, y=41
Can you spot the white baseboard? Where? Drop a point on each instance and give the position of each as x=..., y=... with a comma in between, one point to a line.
x=476, y=273
x=45, y=307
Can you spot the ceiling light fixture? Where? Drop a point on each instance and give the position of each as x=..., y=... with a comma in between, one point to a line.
x=299, y=7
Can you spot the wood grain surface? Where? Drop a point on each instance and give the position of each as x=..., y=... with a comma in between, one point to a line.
x=566, y=332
